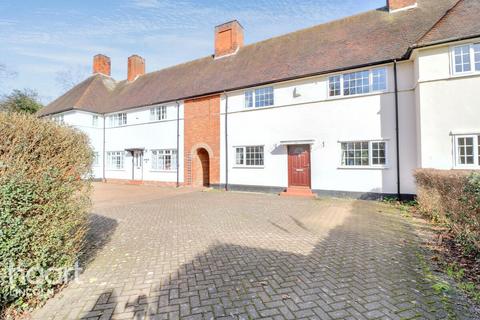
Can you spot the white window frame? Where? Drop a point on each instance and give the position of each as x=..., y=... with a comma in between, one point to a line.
x=244, y=148
x=118, y=120
x=370, y=83
x=370, y=155
x=59, y=119
x=96, y=159
x=158, y=113
x=476, y=155
x=158, y=153
x=253, y=92
x=95, y=121
x=473, y=69
x=110, y=155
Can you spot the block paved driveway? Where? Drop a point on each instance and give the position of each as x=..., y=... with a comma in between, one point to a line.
x=159, y=253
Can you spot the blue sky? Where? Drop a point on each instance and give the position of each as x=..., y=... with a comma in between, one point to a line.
x=39, y=39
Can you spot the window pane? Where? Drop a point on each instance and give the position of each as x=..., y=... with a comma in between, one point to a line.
x=462, y=59
x=334, y=86
x=254, y=156
x=264, y=97
x=356, y=83
x=465, y=151
x=476, y=50
x=378, y=153
x=239, y=156
x=248, y=99
x=355, y=154
x=379, y=79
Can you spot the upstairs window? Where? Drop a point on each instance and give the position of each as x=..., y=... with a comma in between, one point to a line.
x=95, y=121
x=249, y=156
x=467, y=151
x=158, y=113
x=364, y=154
x=466, y=59
x=359, y=82
x=59, y=119
x=118, y=120
x=258, y=98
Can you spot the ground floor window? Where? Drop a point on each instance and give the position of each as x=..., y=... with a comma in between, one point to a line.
x=364, y=153
x=115, y=160
x=96, y=159
x=164, y=160
x=467, y=150
x=249, y=156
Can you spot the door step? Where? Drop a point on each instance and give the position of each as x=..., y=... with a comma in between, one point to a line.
x=135, y=182
x=302, y=192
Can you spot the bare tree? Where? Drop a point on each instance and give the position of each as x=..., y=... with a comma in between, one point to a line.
x=69, y=78
x=5, y=74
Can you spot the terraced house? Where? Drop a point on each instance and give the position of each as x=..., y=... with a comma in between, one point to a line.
x=350, y=107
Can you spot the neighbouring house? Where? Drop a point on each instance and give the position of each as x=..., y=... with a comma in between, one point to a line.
x=350, y=107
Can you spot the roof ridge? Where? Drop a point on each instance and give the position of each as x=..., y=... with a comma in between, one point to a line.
x=440, y=20
x=269, y=39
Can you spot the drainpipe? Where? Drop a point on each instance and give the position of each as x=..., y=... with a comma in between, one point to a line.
x=226, y=140
x=103, y=156
x=397, y=130
x=178, y=144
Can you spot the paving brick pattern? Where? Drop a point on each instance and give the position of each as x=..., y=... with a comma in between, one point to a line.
x=214, y=255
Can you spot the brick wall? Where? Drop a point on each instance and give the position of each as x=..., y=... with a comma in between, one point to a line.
x=398, y=4
x=202, y=131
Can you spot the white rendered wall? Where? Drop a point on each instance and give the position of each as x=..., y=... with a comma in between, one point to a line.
x=446, y=105
x=83, y=121
x=141, y=132
x=313, y=115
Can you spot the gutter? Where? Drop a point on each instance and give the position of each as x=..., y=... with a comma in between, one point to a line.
x=178, y=144
x=397, y=130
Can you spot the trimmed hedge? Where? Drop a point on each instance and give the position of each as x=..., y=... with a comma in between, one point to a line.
x=452, y=198
x=44, y=204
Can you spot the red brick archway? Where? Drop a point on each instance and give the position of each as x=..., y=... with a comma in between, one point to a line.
x=201, y=172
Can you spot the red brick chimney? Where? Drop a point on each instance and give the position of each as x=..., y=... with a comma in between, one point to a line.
x=394, y=5
x=136, y=67
x=101, y=64
x=228, y=38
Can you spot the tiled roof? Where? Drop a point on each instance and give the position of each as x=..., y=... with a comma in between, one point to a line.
x=462, y=21
x=372, y=37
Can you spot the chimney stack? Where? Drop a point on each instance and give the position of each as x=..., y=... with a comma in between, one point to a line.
x=394, y=5
x=136, y=67
x=101, y=64
x=228, y=38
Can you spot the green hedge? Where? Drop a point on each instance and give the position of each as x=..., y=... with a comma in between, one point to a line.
x=453, y=198
x=44, y=203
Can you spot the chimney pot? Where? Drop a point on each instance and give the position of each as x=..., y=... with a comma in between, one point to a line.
x=394, y=5
x=136, y=67
x=101, y=64
x=228, y=38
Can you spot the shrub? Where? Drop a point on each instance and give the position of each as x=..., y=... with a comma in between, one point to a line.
x=44, y=203
x=453, y=198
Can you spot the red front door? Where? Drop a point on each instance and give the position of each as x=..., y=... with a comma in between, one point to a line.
x=299, y=166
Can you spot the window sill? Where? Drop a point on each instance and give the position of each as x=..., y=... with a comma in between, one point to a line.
x=163, y=171
x=116, y=170
x=249, y=167
x=257, y=108
x=465, y=74
x=363, y=168
x=473, y=167
x=357, y=95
